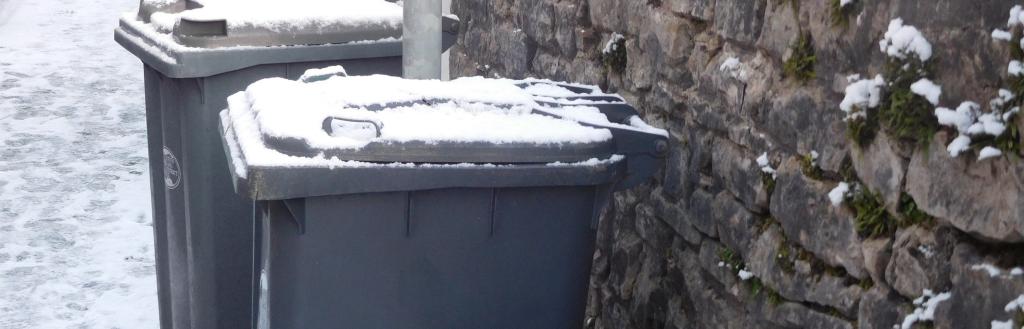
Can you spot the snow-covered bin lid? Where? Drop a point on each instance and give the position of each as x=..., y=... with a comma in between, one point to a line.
x=539, y=132
x=185, y=38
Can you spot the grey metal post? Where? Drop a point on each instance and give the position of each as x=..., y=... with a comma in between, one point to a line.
x=421, y=39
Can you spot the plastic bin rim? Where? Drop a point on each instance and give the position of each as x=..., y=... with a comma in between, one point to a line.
x=276, y=183
x=209, y=62
x=281, y=183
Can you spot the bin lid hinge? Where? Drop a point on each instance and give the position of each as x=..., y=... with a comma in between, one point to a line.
x=644, y=151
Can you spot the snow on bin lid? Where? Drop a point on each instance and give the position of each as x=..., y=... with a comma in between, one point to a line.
x=188, y=39
x=226, y=23
x=362, y=120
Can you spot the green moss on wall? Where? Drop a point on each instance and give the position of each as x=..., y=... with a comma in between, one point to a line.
x=810, y=168
x=839, y=15
x=614, y=58
x=902, y=113
x=871, y=219
x=800, y=64
x=912, y=215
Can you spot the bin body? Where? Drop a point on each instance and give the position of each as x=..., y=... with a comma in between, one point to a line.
x=431, y=259
x=202, y=228
x=437, y=223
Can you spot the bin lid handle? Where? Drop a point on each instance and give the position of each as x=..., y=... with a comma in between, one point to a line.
x=361, y=129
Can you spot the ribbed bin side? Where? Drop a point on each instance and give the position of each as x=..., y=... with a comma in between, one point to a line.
x=448, y=258
x=156, y=182
x=172, y=95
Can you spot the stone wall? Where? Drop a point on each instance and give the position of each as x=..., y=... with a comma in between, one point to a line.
x=672, y=252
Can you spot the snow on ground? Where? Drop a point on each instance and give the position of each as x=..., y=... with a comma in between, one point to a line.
x=75, y=238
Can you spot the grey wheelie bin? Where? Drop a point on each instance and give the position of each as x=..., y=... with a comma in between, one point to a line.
x=464, y=204
x=193, y=59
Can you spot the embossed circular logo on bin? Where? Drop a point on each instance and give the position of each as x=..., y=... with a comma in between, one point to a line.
x=172, y=171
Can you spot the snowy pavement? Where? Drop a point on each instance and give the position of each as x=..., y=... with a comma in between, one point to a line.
x=75, y=239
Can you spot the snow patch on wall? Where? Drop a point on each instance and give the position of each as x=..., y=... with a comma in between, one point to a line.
x=926, y=305
x=860, y=96
x=838, y=194
x=901, y=41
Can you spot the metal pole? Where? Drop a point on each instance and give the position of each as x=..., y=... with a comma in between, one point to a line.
x=421, y=39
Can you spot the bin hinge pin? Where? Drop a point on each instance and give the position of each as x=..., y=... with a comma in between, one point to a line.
x=661, y=147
